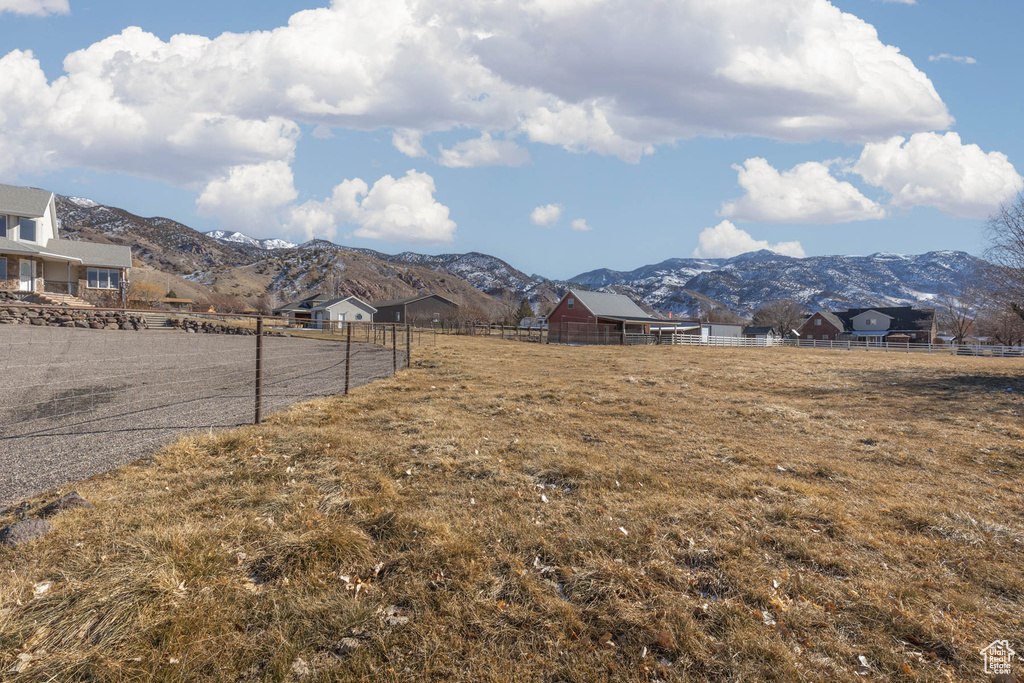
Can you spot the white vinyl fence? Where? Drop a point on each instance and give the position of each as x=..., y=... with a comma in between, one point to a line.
x=891, y=347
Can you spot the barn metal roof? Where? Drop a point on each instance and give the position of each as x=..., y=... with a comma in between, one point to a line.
x=604, y=305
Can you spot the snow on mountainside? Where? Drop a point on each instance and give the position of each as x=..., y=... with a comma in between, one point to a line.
x=747, y=281
x=245, y=266
x=224, y=236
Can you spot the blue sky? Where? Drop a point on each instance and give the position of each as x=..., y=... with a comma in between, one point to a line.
x=560, y=135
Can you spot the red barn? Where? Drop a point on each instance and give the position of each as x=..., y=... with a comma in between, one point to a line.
x=597, y=318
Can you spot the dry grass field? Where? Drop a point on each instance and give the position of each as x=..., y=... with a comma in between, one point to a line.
x=516, y=512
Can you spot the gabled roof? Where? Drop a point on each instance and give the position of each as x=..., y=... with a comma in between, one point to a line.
x=334, y=302
x=24, y=201
x=829, y=316
x=901, y=317
x=872, y=310
x=758, y=330
x=615, y=306
x=306, y=304
x=412, y=299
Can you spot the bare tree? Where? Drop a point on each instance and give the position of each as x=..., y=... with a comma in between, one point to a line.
x=709, y=313
x=1001, y=325
x=782, y=315
x=955, y=313
x=1005, y=232
x=509, y=303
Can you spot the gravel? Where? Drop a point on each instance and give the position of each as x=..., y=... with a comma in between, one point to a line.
x=74, y=403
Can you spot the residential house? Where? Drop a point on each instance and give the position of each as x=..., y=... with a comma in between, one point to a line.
x=822, y=326
x=584, y=317
x=315, y=310
x=424, y=308
x=896, y=323
x=36, y=265
x=888, y=323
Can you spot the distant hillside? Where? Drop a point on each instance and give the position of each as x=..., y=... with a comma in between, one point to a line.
x=747, y=281
x=234, y=263
x=247, y=268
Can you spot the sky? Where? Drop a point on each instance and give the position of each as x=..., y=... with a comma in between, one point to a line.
x=559, y=135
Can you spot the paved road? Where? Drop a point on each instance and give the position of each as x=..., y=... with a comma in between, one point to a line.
x=74, y=403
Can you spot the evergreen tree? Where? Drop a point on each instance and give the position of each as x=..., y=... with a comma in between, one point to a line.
x=524, y=311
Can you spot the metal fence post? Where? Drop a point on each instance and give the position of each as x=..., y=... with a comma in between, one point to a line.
x=408, y=346
x=394, y=347
x=259, y=370
x=348, y=357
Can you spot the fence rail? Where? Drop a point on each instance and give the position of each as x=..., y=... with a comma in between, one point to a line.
x=584, y=334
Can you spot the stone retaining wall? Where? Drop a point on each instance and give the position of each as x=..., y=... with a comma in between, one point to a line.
x=207, y=327
x=84, y=318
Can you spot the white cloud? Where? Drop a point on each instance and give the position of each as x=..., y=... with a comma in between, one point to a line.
x=726, y=240
x=580, y=225
x=562, y=73
x=409, y=142
x=35, y=7
x=249, y=196
x=484, y=151
x=940, y=171
x=547, y=215
x=955, y=58
x=322, y=132
x=807, y=193
x=393, y=210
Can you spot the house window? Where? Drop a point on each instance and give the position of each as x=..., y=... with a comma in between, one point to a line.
x=3, y=268
x=817, y=322
x=571, y=302
x=359, y=316
x=103, y=278
x=27, y=230
x=3, y=226
x=872, y=321
x=398, y=317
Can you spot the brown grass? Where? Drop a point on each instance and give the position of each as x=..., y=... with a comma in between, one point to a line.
x=516, y=512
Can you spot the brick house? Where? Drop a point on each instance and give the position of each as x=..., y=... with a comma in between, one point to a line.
x=36, y=265
x=893, y=323
x=822, y=326
x=898, y=323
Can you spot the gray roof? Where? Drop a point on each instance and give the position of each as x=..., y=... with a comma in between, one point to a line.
x=309, y=303
x=762, y=329
x=358, y=302
x=830, y=317
x=24, y=201
x=610, y=305
x=90, y=253
x=411, y=299
x=11, y=246
x=87, y=253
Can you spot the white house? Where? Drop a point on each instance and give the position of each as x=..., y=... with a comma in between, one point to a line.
x=35, y=264
x=320, y=308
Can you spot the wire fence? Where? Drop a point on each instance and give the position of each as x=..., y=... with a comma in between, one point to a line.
x=76, y=402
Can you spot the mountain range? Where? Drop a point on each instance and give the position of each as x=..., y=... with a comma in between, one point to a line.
x=232, y=263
